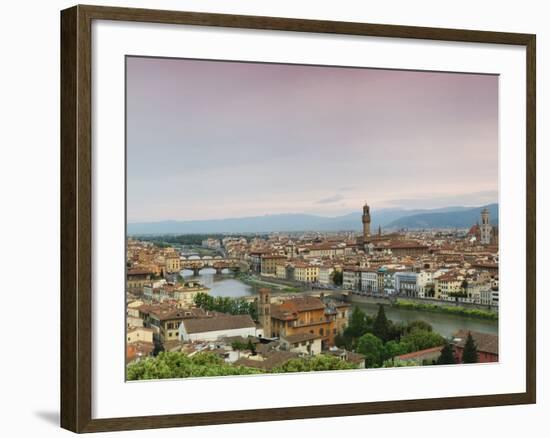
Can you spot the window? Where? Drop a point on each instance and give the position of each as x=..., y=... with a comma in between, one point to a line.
x=321, y=331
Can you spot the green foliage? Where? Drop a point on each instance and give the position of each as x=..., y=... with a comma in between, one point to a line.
x=234, y=306
x=381, y=326
x=420, y=340
x=419, y=325
x=454, y=310
x=358, y=324
x=447, y=356
x=321, y=362
x=402, y=363
x=469, y=355
x=337, y=277
x=169, y=365
x=394, y=348
x=373, y=350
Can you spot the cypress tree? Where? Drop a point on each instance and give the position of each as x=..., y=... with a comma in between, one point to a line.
x=469, y=354
x=381, y=326
x=447, y=356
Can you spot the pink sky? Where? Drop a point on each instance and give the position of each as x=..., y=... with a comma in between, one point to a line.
x=213, y=139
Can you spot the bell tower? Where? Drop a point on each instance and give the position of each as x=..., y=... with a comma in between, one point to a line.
x=485, y=228
x=366, y=223
x=264, y=311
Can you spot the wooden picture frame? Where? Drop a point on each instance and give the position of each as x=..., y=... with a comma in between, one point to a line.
x=76, y=217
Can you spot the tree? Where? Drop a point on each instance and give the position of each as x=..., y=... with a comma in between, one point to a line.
x=420, y=325
x=372, y=348
x=170, y=365
x=337, y=277
x=381, y=326
x=392, y=349
x=447, y=356
x=357, y=324
x=469, y=355
x=321, y=362
x=421, y=340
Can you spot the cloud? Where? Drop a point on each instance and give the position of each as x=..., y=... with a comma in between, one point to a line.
x=330, y=199
x=450, y=200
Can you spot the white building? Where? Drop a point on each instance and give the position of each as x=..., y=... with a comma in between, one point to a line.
x=325, y=275
x=303, y=343
x=369, y=281
x=424, y=283
x=405, y=283
x=212, y=329
x=351, y=278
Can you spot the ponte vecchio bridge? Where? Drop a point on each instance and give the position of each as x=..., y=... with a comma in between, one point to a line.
x=217, y=263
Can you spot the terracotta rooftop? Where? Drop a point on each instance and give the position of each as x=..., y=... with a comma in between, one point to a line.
x=300, y=337
x=420, y=353
x=484, y=341
x=226, y=322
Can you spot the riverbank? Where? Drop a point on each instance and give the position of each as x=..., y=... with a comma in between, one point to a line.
x=443, y=308
x=468, y=310
x=257, y=282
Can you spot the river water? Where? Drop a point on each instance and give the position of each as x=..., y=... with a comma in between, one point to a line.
x=221, y=285
x=442, y=323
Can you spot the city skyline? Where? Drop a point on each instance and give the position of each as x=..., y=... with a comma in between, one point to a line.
x=214, y=140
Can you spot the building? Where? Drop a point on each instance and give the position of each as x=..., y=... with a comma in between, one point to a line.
x=256, y=261
x=185, y=293
x=269, y=264
x=139, y=334
x=369, y=281
x=366, y=224
x=306, y=272
x=309, y=315
x=325, y=275
x=487, y=345
x=421, y=357
x=405, y=284
x=425, y=284
x=448, y=285
x=281, y=271
x=406, y=248
x=485, y=228
x=165, y=319
x=264, y=311
x=212, y=329
x=351, y=278
x=172, y=264
x=302, y=343
x=136, y=278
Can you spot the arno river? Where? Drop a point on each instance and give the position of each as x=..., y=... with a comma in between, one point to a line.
x=442, y=323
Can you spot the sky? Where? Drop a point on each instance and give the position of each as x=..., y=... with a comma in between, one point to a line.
x=212, y=139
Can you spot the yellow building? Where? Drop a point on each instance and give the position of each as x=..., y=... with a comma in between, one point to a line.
x=281, y=271
x=306, y=273
x=448, y=284
x=186, y=293
x=269, y=264
x=172, y=263
x=139, y=334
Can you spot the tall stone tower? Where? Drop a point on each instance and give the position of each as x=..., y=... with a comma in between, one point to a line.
x=485, y=228
x=366, y=223
x=264, y=311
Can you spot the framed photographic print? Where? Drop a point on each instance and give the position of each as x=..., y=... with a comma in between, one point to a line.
x=304, y=218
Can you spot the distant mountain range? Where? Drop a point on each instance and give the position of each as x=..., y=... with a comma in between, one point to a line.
x=388, y=219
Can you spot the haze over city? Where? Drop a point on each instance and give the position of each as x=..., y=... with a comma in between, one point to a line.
x=213, y=140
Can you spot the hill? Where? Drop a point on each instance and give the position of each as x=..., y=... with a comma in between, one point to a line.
x=454, y=219
x=447, y=217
